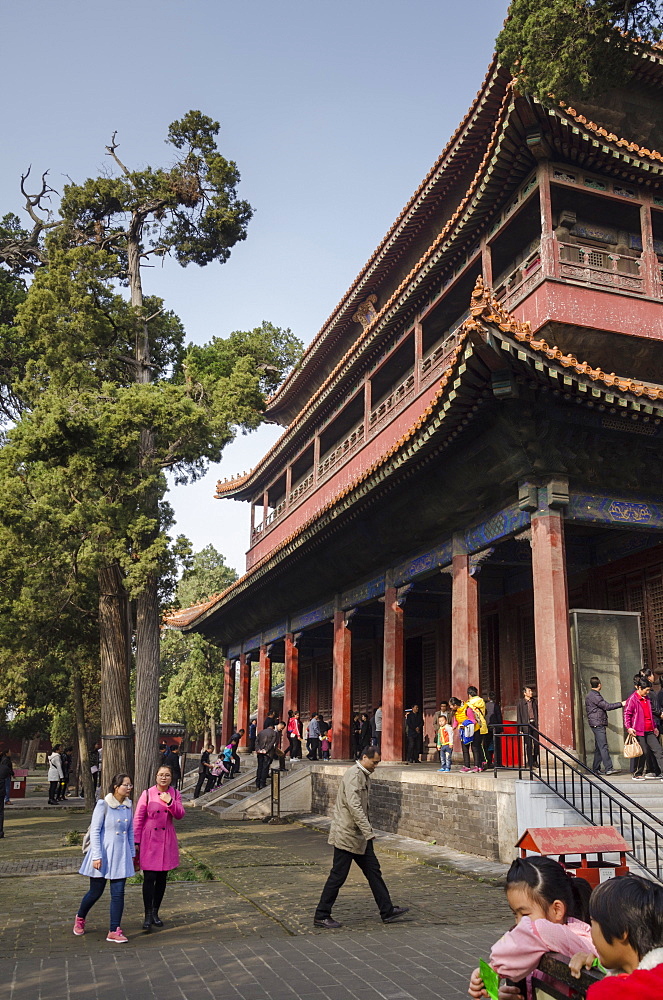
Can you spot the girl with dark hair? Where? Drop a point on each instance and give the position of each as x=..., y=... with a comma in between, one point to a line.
x=552, y=914
x=156, y=841
x=110, y=855
x=627, y=931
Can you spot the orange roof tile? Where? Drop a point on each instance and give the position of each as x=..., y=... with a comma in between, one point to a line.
x=483, y=307
x=491, y=72
x=223, y=488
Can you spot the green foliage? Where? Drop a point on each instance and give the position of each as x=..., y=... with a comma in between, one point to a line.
x=191, y=667
x=569, y=49
x=208, y=574
x=101, y=400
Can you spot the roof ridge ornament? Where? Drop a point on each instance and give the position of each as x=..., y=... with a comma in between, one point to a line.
x=366, y=312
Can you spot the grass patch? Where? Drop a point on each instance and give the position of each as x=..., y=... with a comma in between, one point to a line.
x=189, y=870
x=72, y=838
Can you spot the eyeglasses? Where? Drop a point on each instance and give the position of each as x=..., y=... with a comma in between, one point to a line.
x=125, y=785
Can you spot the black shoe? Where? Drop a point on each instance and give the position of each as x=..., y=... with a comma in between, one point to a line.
x=147, y=922
x=398, y=911
x=328, y=923
x=52, y=802
x=156, y=919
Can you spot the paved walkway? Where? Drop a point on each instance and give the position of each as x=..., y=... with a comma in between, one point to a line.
x=249, y=933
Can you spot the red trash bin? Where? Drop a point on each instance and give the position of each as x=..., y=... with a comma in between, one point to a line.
x=511, y=745
x=18, y=783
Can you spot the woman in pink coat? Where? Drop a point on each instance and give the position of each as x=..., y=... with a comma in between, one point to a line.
x=156, y=841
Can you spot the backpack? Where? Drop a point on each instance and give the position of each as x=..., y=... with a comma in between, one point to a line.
x=466, y=731
x=87, y=840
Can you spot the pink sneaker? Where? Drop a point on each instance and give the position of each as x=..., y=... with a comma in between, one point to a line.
x=79, y=926
x=466, y=768
x=117, y=936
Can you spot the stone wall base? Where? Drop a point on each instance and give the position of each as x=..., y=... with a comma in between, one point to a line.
x=473, y=813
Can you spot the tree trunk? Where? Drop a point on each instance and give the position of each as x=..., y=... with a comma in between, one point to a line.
x=147, y=685
x=83, y=754
x=148, y=621
x=115, y=641
x=212, y=729
x=30, y=756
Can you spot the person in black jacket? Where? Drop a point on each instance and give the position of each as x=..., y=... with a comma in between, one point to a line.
x=204, y=772
x=597, y=709
x=266, y=745
x=527, y=714
x=414, y=726
x=172, y=759
x=5, y=772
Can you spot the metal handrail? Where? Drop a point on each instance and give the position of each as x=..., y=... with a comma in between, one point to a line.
x=557, y=968
x=579, y=786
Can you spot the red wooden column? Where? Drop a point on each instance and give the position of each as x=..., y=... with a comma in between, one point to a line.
x=342, y=689
x=393, y=678
x=264, y=687
x=464, y=625
x=291, y=693
x=228, y=717
x=554, y=669
x=651, y=267
x=243, y=704
x=549, y=260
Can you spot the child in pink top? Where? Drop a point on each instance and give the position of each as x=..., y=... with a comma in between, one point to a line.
x=551, y=911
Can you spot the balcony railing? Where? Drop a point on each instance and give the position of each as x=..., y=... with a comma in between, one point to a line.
x=520, y=280
x=390, y=402
x=601, y=268
x=434, y=362
x=341, y=451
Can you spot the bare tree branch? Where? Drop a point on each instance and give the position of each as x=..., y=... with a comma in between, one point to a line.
x=111, y=152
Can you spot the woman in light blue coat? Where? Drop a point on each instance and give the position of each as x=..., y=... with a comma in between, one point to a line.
x=110, y=855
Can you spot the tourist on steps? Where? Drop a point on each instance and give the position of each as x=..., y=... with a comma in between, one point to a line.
x=459, y=717
x=414, y=728
x=204, y=772
x=597, y=709
x=351, y=836
x=481, y=735
x=266, y=746
x=444, y=741
x=156, y=841
x=639, y=722
x=527, y=714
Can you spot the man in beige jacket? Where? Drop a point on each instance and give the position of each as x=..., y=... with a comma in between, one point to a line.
x=351, y=836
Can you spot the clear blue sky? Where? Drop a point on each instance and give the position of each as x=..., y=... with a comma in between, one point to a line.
x=333, y=110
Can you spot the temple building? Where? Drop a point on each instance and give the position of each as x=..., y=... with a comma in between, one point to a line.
x=468, y=488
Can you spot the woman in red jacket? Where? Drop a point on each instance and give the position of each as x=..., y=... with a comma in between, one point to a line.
x=156, y=841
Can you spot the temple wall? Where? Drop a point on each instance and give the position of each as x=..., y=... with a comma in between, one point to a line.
x=472, y=813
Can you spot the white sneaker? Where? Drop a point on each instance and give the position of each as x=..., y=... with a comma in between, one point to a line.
x=651, y=776
x=637, y=777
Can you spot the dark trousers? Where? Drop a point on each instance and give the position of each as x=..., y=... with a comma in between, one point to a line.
x=154, y=886
x=202, y=778
x=413, y=748
x=465, y=749
x=294, y=748
x=264, y=764
x=314, y=748
x=370, y=867
x=601, y=752
x=97, y=886
x=235, y=767
x=2, y=815
x=63, y=786
x=650, y=743
x=53, y=790
x=479, y=745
